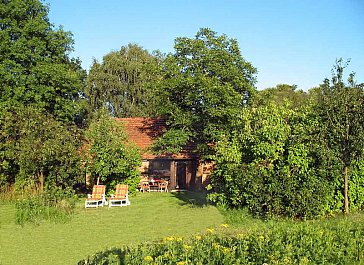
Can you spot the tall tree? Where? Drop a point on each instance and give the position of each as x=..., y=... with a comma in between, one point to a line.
x=206, y=84
x=35, y=67
x=124, y=82
x=340, y=108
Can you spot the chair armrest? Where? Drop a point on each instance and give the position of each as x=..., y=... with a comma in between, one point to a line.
x=89, y=196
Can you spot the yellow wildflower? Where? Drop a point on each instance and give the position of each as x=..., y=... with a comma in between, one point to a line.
x=210, y=230
x=305, y=260
x=187, y=247
x=287, y=260
x=226, y=250
x=240, y=235
x=224, y=225
x=148, y=258
x=198, y=237
x=216, y=245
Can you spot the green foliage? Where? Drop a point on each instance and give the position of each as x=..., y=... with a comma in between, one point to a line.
x=108, y=155
x=55, y=204
x=341, y=112
x=280, y=94
x=293, y=244
x=125, y=82
x=40, y=94
x=172, y=141
x=35, y=68
x=356, y=186
x=286, y=158
x=35, y=148
x=206, y=83
x=342, y=115
x=267, y=164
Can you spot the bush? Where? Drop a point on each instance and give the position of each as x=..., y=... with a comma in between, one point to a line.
x=55, y=204
x=302, y=243
x=275, y=166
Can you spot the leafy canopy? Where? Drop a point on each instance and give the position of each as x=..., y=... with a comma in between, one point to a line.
x=124, y=82
x=206, y=84
x=281, y=94
x=35, y=68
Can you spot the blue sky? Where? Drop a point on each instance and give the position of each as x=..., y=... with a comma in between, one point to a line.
x=288, y=41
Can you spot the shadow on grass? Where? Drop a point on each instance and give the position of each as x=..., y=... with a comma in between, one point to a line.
x=193, y=199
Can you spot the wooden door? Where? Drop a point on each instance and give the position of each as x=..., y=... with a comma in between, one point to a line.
x=181, y=175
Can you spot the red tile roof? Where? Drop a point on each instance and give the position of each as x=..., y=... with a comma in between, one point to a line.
x=143, y=132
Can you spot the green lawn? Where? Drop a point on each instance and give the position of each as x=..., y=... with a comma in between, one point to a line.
x=150, y=216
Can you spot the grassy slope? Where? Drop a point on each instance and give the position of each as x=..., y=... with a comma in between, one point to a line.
x=150, y=217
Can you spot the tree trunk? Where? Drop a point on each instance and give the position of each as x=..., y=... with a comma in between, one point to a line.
x=346, y=196
x=41, y=182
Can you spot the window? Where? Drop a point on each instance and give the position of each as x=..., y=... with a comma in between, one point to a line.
x=160, y=167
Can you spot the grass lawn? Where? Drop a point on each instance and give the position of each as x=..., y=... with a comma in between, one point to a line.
x=150, y=216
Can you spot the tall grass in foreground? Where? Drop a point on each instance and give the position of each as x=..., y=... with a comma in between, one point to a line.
x=55, y=205
x=302, y=243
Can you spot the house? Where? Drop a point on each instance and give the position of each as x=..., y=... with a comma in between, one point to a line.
x=184, y=171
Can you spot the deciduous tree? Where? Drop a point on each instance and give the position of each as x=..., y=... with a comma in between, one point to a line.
x=125, y=82
x=35, y=67
x=206, y=84
x=107, y=154
x=340, y=107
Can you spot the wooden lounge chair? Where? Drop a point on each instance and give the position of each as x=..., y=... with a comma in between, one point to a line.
x=120, y=198
x=97, y=198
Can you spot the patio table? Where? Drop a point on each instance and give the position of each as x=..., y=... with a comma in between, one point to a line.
x=154, y=185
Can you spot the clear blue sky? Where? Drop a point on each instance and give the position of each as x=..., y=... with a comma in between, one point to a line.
x=288, y=41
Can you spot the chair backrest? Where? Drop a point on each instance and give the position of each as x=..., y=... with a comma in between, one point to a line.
x=164, y=183
x=144, y=184
x=121, y=191
x=98, y=191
